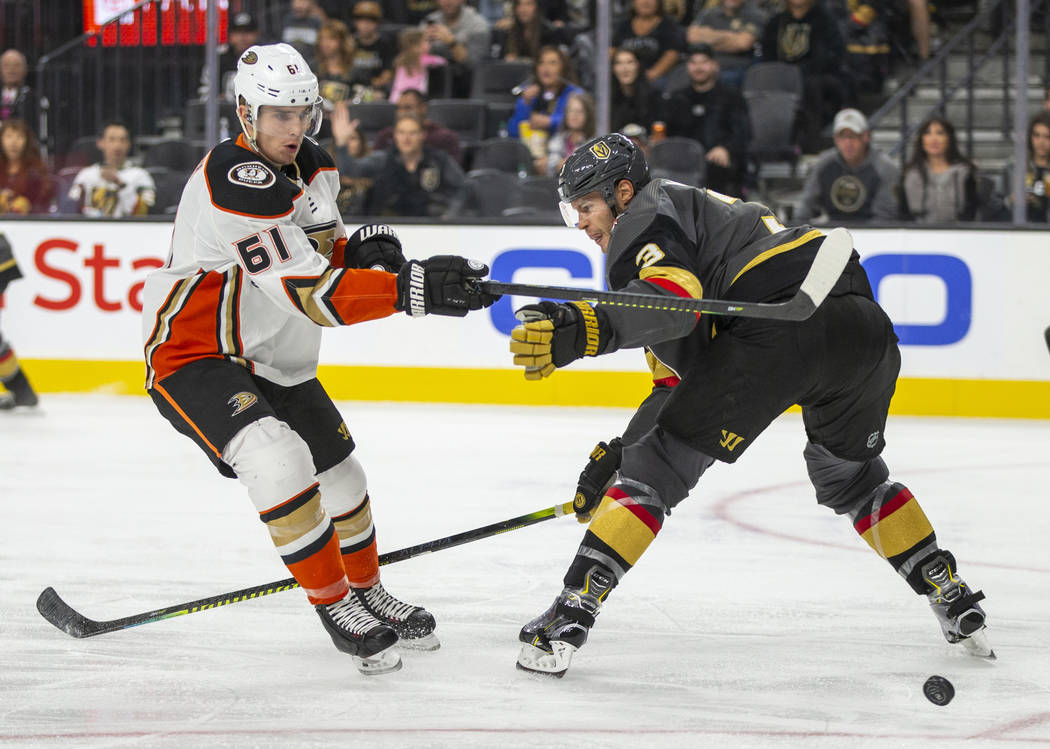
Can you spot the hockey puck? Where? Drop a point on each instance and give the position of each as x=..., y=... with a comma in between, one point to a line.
x=938, y=690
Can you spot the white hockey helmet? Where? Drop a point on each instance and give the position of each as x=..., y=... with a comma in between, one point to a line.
x=276, y=75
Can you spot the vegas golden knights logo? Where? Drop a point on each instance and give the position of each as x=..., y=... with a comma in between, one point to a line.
x=601, y=150
x=794, y=41
x=241, y=402
x=343, y=431
x=730, y=440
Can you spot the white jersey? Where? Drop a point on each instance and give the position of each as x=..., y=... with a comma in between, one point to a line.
x=248, y=277
x=132, y=194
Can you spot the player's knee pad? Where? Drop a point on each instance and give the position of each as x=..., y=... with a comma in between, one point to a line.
x=665, y=463
x=842, y=484
x=272, y=461
x=343, y=486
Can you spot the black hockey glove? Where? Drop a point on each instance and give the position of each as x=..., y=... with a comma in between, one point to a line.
x=441, y=285
x=553, y=335
x=598, y=475
x=374, y=246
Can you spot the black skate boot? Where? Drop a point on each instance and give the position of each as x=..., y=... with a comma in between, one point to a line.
x=356, y=632
x=549, y=640
x=955, y=604
x=20, y=392
x=414, y=625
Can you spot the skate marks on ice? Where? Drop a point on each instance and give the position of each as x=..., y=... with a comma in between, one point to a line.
x=721, y=636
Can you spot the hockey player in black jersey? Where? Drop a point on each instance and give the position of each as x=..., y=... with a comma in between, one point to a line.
x=718, y=383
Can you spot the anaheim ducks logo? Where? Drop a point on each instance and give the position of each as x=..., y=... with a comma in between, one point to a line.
x=250, y=58
x=601, y=150
x=242, y=402
x=251, y=174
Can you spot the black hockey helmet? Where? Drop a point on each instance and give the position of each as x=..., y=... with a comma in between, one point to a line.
x=598, y=165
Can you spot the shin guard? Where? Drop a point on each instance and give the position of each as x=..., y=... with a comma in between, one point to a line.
x=893, y=524
x=625, y=523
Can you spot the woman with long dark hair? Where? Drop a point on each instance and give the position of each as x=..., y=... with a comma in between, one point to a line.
x=540, y=109
x=939, y=184
x=522, y=34
x=25, y=183
x=633, y=98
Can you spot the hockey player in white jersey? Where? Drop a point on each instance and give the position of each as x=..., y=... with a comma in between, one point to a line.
x=259, y=263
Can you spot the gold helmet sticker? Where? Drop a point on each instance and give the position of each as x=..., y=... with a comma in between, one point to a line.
x=601, y=150
x=250, y=58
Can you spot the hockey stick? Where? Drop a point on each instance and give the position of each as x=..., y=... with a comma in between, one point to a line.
x=827, y=266
x=72, y=622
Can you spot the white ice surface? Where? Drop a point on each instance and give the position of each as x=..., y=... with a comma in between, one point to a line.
x=756, y=619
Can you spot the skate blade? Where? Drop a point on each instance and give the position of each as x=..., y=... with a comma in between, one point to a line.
x=978, y=646
x=384, y=662
x=428, y=643
x=538, y=661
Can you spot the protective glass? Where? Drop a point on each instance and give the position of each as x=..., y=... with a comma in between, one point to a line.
x=280, y=121
x=569, y=215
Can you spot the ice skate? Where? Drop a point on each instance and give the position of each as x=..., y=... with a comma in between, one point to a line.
x=414, y=625
x=355, y=631
x=955, y=605
x=550, y=640
x=19, y=393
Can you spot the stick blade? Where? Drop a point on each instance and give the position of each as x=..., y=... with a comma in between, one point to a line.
x=831, y=259
x=65, y=617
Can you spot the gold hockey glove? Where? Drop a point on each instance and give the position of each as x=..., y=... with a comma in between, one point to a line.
x=554, y=335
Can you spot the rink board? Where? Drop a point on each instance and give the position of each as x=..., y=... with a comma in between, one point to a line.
x=970, y=308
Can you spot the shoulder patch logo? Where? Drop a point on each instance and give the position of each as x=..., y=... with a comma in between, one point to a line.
x=252, y=174
x=601, y=150
x=649, y=255
x=250, y=58
x=242, y=402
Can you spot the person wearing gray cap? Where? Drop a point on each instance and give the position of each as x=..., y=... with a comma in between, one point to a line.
x=852, y=182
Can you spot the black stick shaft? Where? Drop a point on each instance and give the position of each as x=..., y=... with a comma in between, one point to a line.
x=831, y=258
x=69, y=620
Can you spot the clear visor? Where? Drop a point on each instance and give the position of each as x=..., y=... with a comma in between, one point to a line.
x=569, y=215
x=280, y=121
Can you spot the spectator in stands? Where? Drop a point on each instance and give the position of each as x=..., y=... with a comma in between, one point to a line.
x=939, y=184
x=520, y=35
x=335, y=62
x=715, y=115
x=540, y=108
x=852, y=182
x=25, y=184
x=435, y=136
x=866, y=35
x=374, y=58
x=805, y=34
x=413, y=63
x=1037, y=175
x=356, y=163
x=242, y=32
x=17, y=101
x=462, y=36
x=656, y=38
x=413, y=179
x=578, y=127
x=732, y=28
x=633, y=97
x=301, y=27
x=113, y=188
